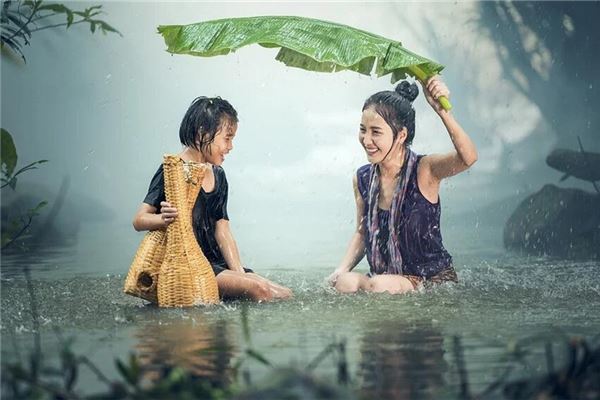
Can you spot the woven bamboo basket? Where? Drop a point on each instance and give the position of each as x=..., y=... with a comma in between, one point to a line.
x=143, y=273
x=169, y=267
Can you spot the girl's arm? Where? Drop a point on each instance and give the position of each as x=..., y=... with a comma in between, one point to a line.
x=443, y=166
x=356, y=248
x=228, y=246
x=146, y=219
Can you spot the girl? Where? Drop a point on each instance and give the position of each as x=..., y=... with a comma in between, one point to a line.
x=207, y=132
x=397, y=202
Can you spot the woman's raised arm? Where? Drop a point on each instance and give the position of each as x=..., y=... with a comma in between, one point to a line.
x=443, y=166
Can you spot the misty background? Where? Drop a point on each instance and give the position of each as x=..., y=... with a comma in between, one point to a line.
x=104, y=109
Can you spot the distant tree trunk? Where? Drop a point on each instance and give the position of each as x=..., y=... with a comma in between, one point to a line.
x=549, y=50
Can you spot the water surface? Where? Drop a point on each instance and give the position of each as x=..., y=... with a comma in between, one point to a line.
x=396, y=346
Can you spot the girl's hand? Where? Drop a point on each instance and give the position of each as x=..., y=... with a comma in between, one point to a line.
x=167, y=213
x=433, y=89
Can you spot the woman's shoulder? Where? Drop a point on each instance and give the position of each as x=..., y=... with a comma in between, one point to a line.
x=362, y=178
x=363, y=170
x=363, y=173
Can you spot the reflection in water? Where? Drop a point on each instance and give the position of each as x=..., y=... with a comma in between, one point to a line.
x=37, y=258
x=202, y=348
x=401, y=361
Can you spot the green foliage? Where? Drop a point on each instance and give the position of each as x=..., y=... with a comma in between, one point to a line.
x=40, y=379
x=37, y=378
x=8, y=158
x=576, y=379
x=43, y=380
x=15, y=227
x=130, y=372
x=21, y=18
x=305, y=43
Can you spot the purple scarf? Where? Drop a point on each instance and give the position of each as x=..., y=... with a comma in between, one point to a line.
x=378, y=265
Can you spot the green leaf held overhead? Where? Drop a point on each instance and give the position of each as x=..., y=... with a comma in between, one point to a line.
x=305, y=43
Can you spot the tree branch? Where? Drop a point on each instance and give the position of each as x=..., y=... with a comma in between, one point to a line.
x=18, y=235
x=33, y=11
x=57, y=25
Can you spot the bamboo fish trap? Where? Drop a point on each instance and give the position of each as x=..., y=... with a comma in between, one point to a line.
x=169, y=267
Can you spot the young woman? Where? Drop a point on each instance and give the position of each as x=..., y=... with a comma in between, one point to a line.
x=397, y=201
x=207, y=132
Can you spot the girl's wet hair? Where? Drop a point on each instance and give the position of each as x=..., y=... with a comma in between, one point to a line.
x=395, y=107
x=203, y=119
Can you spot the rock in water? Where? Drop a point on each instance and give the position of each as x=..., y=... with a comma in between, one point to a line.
x=557, y=222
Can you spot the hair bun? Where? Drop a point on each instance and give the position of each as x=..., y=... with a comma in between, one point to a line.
x=409, y=91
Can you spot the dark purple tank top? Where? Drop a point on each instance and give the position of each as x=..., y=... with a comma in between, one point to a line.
x=423, y=253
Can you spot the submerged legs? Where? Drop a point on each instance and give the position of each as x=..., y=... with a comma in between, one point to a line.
x=250, y=286
x=351, y=282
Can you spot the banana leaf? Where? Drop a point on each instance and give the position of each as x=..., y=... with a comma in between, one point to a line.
x=306, y=43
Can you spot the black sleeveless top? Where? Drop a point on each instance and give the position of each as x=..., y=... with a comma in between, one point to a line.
x=209, y=208
x=423, y=253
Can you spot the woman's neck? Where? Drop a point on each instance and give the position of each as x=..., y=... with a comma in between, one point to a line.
x=190, y=154
x=390, y=167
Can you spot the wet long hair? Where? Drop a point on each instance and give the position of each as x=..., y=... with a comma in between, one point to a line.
x=395, y=107
x=203, y=119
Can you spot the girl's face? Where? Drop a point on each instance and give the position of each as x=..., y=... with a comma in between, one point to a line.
x=375, y=136
x=222, y=143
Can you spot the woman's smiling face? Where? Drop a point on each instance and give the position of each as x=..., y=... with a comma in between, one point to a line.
x=375, y=136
